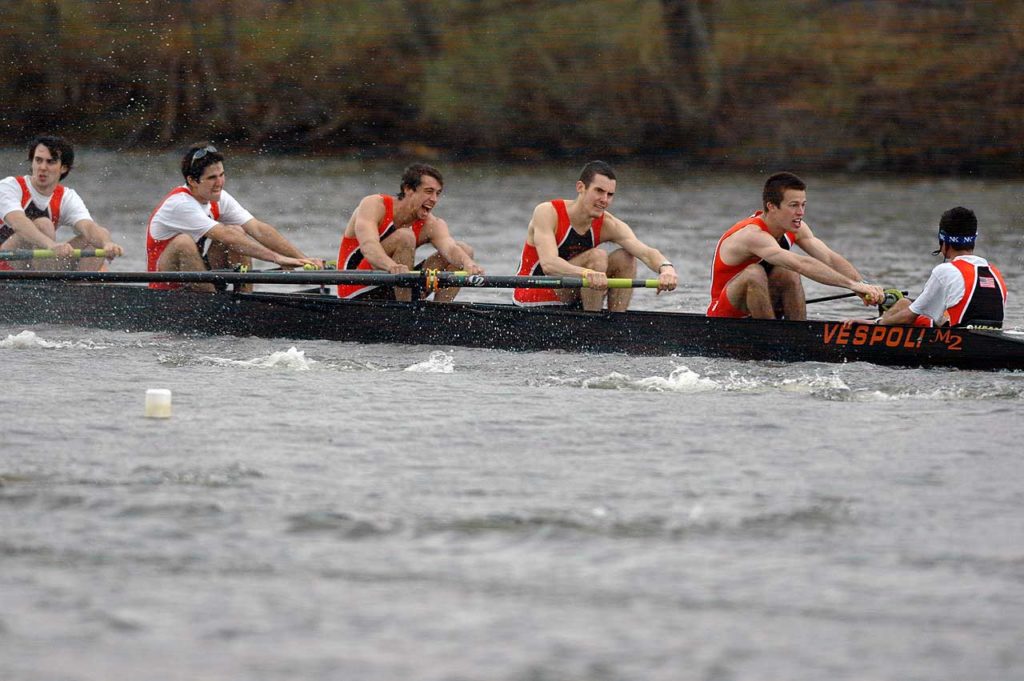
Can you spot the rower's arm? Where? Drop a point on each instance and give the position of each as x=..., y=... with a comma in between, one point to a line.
x=809, y=267
x=271, y=238
x=368, y=215
x=99, y=237
x=620, y=233
x=819, y=250
x=448, y=247
x=236, y=239
x=28, y=231
x=899, y=313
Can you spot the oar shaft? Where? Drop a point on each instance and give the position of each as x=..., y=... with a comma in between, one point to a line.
x=836, y=296
x=324, y=278
x=888, y=299
x=46, y=253
x=545, y=281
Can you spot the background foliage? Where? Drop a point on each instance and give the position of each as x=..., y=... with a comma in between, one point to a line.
x=909, y=85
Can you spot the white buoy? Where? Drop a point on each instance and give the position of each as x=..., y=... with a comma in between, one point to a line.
x=158, y=403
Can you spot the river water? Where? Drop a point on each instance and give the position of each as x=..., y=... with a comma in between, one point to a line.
x=322, y=511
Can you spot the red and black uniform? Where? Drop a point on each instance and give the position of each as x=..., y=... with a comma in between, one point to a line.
x=570, y=244
x=350, y=257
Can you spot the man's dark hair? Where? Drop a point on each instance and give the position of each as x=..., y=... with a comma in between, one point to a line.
x=59, y=148
x=595, y=168
x=959, y=221
x=198, y=158
x=412, y=177
x=775, y=188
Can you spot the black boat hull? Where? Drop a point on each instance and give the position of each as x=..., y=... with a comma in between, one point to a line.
x=506, y=327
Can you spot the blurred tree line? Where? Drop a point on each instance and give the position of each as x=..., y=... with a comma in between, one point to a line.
x=901, y=85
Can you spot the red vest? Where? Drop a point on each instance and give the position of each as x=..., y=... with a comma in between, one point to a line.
x=570, y=244
x=351, y=258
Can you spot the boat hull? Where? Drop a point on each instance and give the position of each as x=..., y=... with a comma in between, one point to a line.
x=506, y=327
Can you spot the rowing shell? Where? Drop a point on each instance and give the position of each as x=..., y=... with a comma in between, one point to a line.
x=489, y=325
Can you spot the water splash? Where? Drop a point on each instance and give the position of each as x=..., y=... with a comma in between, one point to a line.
x=682, y=380
x=439, y=362
x=832, y=386
x=28, y=340
x=293, y=359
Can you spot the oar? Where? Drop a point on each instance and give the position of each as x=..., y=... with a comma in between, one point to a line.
x=44, y=253
x=322, y=278
x=891, y=296
x=837, y=296
x=499, y=281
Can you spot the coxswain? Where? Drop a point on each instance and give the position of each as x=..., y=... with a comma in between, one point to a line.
x=965, y=289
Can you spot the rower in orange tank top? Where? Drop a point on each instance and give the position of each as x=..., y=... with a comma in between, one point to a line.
x=742, y=287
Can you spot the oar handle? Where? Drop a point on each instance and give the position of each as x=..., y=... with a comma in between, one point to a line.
x=46, y=253
x=630, y=283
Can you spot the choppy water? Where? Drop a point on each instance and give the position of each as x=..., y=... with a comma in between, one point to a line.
x=319, y=510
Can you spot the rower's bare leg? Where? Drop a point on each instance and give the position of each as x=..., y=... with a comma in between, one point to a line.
x=748, y=291
x=594, y=259
x=182, y=255
x=621, y=265
x=221, y=257
x=400, y=246
x=787, y=291
x=439, y=262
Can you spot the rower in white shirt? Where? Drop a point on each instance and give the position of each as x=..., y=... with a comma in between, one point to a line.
x=200, y=226
x=34, y=207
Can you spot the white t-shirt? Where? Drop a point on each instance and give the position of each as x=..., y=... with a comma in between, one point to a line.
x=944, y=288
x=72, y=208
x=181, y=213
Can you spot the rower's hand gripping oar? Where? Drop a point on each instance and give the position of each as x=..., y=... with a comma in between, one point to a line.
x=891, y=296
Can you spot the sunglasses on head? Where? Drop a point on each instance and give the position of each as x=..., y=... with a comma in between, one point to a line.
x=199, y=153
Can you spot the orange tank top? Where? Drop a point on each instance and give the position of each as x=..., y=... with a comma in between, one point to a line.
x=721, y=272
x=570, y=244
